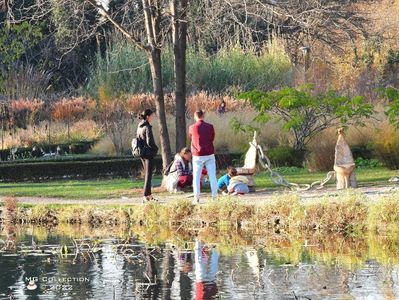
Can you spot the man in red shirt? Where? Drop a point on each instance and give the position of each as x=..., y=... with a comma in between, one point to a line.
x=202, y=135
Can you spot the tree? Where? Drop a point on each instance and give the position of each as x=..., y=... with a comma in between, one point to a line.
x=249, y=23
x=143, y=23
x=15, y=41
x=178, y=9
x=305, y=113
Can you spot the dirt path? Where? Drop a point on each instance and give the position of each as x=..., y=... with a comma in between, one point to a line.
x=372, y=193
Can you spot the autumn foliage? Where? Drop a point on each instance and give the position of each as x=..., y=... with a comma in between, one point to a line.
x=71, y=110
x=23, y=112
x=68, y=110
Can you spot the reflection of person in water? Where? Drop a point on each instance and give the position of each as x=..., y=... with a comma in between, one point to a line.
x=256, y=265
x=149, y=285
x=206, y=267
x=184, y=265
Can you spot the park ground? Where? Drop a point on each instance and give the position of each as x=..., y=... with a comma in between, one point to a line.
x=371, y=181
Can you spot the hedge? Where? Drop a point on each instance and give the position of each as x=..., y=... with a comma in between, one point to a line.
x=111, y=168
x=63, y=158
x=27, y=152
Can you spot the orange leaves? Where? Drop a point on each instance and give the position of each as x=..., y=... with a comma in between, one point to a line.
x=138, y=102
x=208, y=103
x=72, y=109
x=202, y=100
x=32, y=106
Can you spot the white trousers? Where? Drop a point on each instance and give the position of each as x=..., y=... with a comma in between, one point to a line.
x=210, y=164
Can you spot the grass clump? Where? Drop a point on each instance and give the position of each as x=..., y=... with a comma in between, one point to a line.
x=282, y=212
x=178, y=211
x=347, y=215
x=226, y=211
x=148, y=213
x=41, y=214
x=384, y=214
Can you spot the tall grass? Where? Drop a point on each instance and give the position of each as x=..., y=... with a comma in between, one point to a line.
x=85, y=130
x=234, y=69
x=26, y=82
x=125, y=69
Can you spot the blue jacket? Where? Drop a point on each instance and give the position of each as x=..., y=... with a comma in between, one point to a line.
x=223, y=181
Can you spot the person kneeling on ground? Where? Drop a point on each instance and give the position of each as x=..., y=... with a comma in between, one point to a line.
x=180, y=174
x=224, y=181
x=238, y=186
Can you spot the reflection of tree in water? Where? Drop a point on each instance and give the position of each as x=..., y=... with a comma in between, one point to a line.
x=186, y=270
x=148, y=286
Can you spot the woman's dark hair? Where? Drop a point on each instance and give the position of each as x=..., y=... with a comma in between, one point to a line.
x=145, y=114
x=185, y=150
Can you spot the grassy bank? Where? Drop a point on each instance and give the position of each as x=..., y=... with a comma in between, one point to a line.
x=115, y=188
x=351, y=213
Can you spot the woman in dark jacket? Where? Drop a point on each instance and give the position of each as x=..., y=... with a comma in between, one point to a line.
x=144, y=133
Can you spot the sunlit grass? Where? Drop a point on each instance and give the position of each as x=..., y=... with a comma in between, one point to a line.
x=116, y=188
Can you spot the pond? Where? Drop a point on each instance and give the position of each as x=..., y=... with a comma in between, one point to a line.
x=127, y=263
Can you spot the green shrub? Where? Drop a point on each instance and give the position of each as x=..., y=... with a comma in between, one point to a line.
x=362, y=151
x=84, y=168
x=387, y=148
x=367, y=163
x=71, y=169
x=285, y=156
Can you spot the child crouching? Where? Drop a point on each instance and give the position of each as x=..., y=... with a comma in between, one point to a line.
x=238, y=186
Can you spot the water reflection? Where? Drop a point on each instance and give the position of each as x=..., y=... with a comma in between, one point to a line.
x=184, y=261
x=148, y=285
x=206, y=268
x=78, y=264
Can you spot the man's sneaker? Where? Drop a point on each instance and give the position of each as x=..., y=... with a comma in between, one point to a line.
x=196, y=201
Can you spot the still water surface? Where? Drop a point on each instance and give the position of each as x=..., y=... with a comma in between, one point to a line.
x=55, y=265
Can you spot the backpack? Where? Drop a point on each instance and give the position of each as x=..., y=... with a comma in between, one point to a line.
x=168, y=168
x=138, y=147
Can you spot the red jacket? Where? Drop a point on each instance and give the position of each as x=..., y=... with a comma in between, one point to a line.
x=202, y=135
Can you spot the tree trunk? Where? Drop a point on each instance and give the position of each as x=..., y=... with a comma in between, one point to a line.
x=179, y=37
x=2, y=132
x=152, y=13
x=154, y=58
